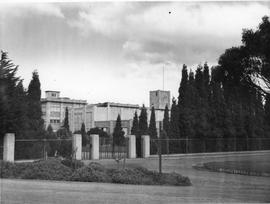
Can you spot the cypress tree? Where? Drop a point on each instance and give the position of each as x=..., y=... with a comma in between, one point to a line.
x=152, y=126
x=84, y=135
x=36, y=123
x=183, y=85
x=135, y=125
x=166, y=121
x=118, y=133
x=66, y=121
x=201, y=120
x=19, y=106
x=174, y=122
x=143, y=126
x=183, y=102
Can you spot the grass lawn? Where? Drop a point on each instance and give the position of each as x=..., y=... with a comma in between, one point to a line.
x=258, y=167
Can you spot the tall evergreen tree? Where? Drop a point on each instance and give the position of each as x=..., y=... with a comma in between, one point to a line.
x=143, y=126
x=174, y=122
x=183, y=102
x=166, y=121
x=152, y=126
x=84, y=135
x=183, y=85
x=19, y=106
x=66, y=121
x=118, y=133
x=135, y=125
x=36, y=123
x=8, y=82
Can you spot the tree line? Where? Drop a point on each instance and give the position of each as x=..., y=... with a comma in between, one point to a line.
x=227, y=106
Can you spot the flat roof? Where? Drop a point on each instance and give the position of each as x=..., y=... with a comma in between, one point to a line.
x=52, y=91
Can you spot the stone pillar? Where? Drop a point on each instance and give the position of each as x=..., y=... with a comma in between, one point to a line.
x=95, y=146
x=77, y=146
x=145, y=146
x=131, y=146
x=9, y=147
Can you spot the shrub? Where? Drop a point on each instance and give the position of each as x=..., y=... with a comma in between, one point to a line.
x=7, y=169
x=94, y=172
x=73, y=164
x=142, y=175
x=49, y=170
x=126, y=176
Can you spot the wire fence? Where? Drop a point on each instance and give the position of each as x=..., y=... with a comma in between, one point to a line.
x=31, y=149
x=109, y=150
x=177, y=146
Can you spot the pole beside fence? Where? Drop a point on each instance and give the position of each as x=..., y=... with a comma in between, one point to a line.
x=131, y=146
x=145, y=146
x=95, y=146
x=77, y=146
x=9, y=147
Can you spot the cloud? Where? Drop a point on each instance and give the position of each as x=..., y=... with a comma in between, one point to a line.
x=23, y=10
x=190, y=32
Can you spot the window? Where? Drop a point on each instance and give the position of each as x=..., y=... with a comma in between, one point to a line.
x=53, y=95
x=53, y=121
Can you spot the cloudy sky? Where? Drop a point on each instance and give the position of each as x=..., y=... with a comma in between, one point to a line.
x=116, y=51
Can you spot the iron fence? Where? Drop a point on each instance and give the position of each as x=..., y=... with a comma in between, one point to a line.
x=30, y=149
x=86, y=152
x=109, y=150
x=177, y=146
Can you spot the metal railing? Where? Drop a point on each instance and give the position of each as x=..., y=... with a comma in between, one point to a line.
x=177, y=146
x=108, y=150
x=28, y=149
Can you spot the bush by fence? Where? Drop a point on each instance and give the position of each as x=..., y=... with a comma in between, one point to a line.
x=54, y=169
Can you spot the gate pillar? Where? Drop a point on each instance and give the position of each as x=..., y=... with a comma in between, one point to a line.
x=131, y=146
x=145, y=146
x=95, y=146
x=77, y=146
x=9, y=147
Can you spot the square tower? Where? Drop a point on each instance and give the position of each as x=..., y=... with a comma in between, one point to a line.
x=159, y=99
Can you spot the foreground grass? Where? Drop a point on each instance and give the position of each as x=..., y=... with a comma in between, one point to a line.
x=94, y=172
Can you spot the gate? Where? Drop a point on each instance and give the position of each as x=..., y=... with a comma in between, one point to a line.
x=86, y=151
x=109, y=150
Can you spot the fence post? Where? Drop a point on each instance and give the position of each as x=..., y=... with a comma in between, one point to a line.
x=131, y=146
x=77, y=146
x=9, y=147
x=145, y=146
x=95, y=146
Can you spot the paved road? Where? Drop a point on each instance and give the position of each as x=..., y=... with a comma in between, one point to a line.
x=207, y=186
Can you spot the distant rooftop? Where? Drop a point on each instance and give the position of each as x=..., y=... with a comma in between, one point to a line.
x=112, y=104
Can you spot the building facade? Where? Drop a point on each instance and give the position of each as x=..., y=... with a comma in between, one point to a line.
x=53, y=109
x=101, y=115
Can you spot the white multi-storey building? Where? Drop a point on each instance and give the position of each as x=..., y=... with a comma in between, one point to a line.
x=102, y=115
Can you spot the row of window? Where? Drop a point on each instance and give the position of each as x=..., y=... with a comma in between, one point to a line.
x=53, y=121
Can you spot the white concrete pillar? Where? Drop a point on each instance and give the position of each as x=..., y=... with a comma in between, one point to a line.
x=95, y=146
x=131, y=146
x=145, y=146
x=9, y=147
x=77, y=146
